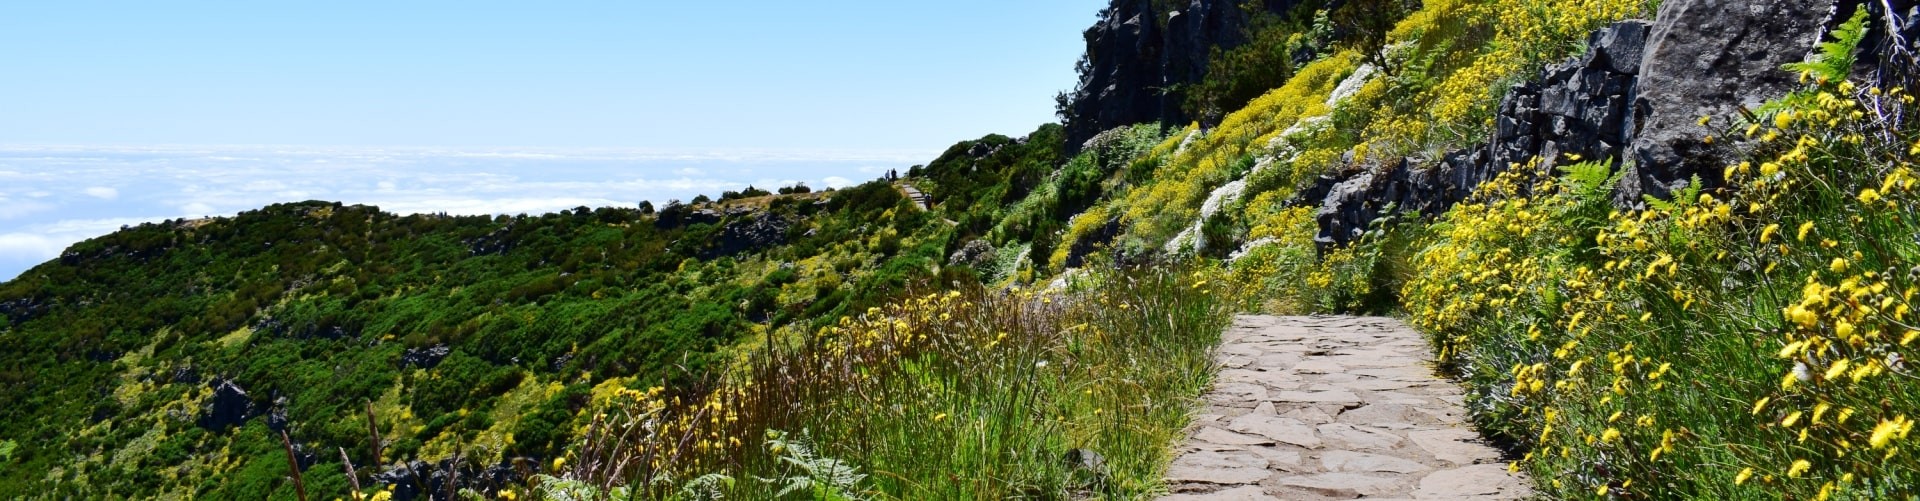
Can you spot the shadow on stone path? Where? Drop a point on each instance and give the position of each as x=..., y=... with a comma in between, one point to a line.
x=1312, y=408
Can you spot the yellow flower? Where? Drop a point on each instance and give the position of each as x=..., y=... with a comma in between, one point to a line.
x=1804, y=229
x=1760, y=404
x=940, y=417
x=1869, y=195
x=1839, y=367
x=1800, y=467
x=1744, y=475
x=1766, y=234
x=1888, y=430
x=1802, y=316
x=1839, y=265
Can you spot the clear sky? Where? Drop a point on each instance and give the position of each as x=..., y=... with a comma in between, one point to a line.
x=684, y=74
x=114, y=113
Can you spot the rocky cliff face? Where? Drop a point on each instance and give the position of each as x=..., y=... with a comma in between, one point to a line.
x=1635, y=98
x=1140, y=49
x=1710, y=58
x=1578, y=109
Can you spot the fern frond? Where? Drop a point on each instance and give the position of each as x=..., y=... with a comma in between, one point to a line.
x=1836, y=57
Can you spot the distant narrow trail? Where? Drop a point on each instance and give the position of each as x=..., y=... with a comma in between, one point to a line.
x=912, y=193
x=1309, y=408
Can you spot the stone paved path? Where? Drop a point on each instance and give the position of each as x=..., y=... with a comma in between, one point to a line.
x=1313, y=408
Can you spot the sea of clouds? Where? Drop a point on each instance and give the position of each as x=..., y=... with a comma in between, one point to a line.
x=54, y=196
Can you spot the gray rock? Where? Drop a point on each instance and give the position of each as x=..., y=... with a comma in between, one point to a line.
x=1578, y=107
x=1709, y=58
x=229, y=406
x=976, y=253
x=746, y=232
x=1137, y=49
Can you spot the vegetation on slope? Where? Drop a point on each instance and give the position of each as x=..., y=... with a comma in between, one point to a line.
x=1751, y=342
x=1747, y=343
x=971, y=394
x=475, y=336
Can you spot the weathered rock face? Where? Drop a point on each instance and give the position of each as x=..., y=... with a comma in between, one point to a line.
x=1578, y=108
x=748, y=234
x=1709, y=58
x=442, y=479
x=1137, y=50
x=229, y=406
x=977, y=253
x=1636, y=97
x=426, y=357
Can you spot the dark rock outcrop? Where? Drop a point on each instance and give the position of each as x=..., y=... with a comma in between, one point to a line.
x=229, y=406
x=1889, y=57
x=749, y=233
x=425, y=357
x=20, y=310
x=442, y=479
x=1141, y=48
x=184, y=374
x=976, y=253
x=1635, y=98
x=1710, y=58
x=1577, y=108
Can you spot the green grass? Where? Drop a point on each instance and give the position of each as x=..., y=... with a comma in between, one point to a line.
x=963, y=395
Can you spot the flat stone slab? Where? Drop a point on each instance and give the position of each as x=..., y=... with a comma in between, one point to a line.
x=1280, y=429
x=1213, y=435
x=1361, y=462
x=1314, y=408
x=1218, y=467
x=1481, y=481
x=1242, y=493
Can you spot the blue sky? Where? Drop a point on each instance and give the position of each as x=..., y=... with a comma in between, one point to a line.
x=127, y=111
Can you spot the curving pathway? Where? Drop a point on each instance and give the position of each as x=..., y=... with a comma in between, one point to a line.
x=1310, y=408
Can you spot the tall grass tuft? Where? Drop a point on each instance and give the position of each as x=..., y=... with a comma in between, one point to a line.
x=972, y=394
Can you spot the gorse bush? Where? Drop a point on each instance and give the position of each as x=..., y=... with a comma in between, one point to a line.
x=1450, y=61
x=1745, y=343
x=1192, y=165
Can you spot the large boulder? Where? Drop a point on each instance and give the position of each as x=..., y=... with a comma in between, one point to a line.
x=229, y=406
x=1709, y=58
x=746, y=233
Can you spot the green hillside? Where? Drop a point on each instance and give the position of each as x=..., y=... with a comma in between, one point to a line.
x=1042, y=328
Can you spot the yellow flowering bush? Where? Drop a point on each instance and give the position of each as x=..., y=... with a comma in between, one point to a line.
x=1182, y=178
x=1747, y=342
x=1455, y=57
